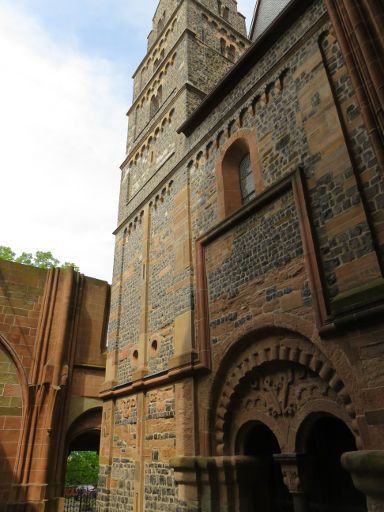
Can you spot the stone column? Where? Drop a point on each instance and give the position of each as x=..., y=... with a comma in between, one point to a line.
x=215, y=483
x=291, y=464
x=186, y=479
x=367, y=471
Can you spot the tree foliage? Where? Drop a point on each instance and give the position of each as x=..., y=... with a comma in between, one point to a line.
x=6, y=253
x=82, y=468
x=40, y=259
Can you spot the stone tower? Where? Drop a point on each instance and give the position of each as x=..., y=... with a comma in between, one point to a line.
x=151, y=341
x=191, y=45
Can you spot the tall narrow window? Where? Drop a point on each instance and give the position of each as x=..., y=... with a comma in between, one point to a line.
x=232, y=53
x=247, y=184
x=219, y=6
x=223, y=46
x=226, y=13
x=154, y=106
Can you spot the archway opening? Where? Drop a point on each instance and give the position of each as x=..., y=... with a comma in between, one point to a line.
x=329, y=488
x=82, y=462
x=269, y=493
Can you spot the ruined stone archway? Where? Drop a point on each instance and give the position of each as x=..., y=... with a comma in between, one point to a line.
x=13, y=408
x=83, y=436
x=279, y=380
x=84, y=432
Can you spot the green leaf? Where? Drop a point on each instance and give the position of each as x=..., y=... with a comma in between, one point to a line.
x=45, y=260
x=67, y=264
x=82, y=468
x=26, y=258
x=6, y=253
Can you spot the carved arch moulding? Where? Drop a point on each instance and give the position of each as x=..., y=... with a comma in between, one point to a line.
x=279, y=382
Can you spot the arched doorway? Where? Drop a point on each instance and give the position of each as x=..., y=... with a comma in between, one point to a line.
x=328, y=487
x=82, y=461
x=269, y=494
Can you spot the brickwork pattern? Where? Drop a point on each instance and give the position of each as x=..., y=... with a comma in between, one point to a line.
x=268, y=240
x=11, y=414
x=159, y=487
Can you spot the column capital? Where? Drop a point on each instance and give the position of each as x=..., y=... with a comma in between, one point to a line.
x=290, y=464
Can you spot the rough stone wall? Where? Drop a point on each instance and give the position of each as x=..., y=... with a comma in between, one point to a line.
x=235, y=19
x=130, y=308
x=296, y=120
x=166, y=7
x=264, y=243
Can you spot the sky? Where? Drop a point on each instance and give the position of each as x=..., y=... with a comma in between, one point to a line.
x=65, y=87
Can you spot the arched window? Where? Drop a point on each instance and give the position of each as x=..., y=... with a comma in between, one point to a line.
x=238, y=172
x=247, y=183
x=226, y=13
x=156, y=102
x=231, y=52
x=154, y=106
x=223, y=46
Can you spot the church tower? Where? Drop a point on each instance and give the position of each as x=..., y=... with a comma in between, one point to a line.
x=148, y=403
x=191, y=46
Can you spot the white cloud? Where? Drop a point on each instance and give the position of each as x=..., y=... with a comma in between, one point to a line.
x=62, y=130
x=62, y=138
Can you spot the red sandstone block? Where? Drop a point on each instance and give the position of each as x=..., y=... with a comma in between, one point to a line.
x=27, y=362
x=12, y=423
x=5, y=328
x=34, y=314
x=24, y=351
x=27, y=322
x=14, y=339
x=29, y=340
x=12, y=390
x=9, y=319
x=16, y=329
x=10, y=437
x=9, y=448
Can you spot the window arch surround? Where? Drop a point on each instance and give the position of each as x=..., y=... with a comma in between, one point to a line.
x=240, y=144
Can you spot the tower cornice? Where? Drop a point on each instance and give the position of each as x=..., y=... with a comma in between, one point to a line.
x=169, y=22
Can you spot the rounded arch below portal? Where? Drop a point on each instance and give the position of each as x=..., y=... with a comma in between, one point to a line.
x=84, y=432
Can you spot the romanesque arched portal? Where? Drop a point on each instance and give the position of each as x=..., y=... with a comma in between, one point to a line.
x=273, y=393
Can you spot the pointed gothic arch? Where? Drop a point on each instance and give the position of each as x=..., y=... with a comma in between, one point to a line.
x=23, y=380
x=14, y=417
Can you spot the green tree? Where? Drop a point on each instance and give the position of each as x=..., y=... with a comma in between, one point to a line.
x=26, y=258
x=41, y=259
x=6, y=253
x=82, y=468
x=45, y=260
x=67, y=264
